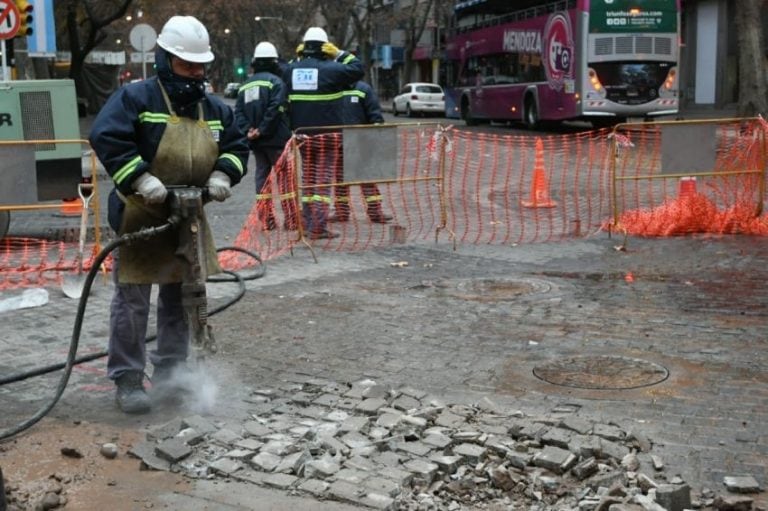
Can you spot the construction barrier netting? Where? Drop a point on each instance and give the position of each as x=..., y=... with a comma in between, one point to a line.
x=690, y=177
x=427, y=183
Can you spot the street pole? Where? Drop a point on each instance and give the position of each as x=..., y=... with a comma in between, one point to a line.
x=143, y=61
x=5, y=61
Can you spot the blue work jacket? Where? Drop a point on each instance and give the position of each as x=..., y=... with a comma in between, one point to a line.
x=261, y=103
x=316, y=89
x=127, y=131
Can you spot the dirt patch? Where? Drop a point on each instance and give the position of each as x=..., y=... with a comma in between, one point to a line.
x=33, y=465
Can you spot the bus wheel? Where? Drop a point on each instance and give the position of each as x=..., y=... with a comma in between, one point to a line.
x=466, y=114
x=531, y=113
x=5, y=222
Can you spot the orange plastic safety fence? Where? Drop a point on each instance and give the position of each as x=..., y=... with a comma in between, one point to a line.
x=726, y=199
x=32, y=262
x=475, y=187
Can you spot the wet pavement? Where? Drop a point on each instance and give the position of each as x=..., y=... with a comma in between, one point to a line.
x=482, y=322
x=663, y=336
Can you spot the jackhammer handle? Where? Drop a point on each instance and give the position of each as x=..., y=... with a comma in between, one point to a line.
x=204, y=193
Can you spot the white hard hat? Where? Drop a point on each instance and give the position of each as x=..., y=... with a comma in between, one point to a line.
x=187, y=38
x=265, y=50
x=315, y=34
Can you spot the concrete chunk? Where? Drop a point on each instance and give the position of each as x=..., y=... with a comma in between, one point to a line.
x=421, y=469
x=371, y=406
x=173, y=450
x=257, y=429
x=741, y=484
x=555, y=459
x=200, y=424
x=225, y=466
x=471, y=452
x=674, y=497
x=266, y=461
x=449, y=420
x=314, y=487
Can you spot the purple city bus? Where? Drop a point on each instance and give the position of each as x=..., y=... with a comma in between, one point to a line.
x=534, y=61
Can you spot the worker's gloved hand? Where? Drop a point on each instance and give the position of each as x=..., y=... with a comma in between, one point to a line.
x=331, y=50
x=300, y=50
x=150, y=188
x=219, y=186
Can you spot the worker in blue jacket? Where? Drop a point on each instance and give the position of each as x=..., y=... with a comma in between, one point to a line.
x=151, y=134
x=261, y=113
x=316, y=83
x=361, y=106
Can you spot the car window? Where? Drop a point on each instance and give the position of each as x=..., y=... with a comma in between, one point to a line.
x=429, y=89
x=406, y=90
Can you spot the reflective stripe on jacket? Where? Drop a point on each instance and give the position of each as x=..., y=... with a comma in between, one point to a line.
x=127, y=130
x=361, y=105
x=262, y=103
x=316, y=89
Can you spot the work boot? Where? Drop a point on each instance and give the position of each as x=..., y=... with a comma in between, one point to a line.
x=168, y=381
x=131, y=396
x=323, y=235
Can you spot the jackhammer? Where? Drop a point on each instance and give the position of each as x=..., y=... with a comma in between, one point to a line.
x=186, y=215
x=186, y=205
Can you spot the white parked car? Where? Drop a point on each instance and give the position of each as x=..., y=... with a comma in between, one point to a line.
x=423, y=98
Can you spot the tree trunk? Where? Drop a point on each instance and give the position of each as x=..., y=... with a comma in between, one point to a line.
x=753, y=68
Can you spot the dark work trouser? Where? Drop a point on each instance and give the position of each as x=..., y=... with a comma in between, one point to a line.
x=129, y=316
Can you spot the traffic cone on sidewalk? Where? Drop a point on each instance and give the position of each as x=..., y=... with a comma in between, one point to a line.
x=539, y=185
x=71, y=207
x=687, y=187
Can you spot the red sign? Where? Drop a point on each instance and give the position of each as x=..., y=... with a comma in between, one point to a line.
x=10, y=20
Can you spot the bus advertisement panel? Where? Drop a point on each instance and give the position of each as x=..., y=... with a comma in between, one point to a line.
x=601, y=60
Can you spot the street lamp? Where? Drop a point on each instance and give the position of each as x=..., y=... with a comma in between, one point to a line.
x=260, y=18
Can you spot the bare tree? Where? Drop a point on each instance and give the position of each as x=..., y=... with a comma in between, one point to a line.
x=86, y=21
x=414, y=21
x=350, y=23
x=753, y=65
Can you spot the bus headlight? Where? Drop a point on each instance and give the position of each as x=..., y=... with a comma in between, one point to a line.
x=594, y=81
x=669, y=87
x=670, y=81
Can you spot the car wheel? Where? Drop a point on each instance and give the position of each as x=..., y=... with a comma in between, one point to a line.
x=408, y=111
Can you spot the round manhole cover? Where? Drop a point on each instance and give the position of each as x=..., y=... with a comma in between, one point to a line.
x=602, y=372
x=488, y=290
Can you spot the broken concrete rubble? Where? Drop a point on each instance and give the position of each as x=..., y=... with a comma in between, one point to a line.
x=387, y=449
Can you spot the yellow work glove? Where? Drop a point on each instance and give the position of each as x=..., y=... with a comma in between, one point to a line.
x=331, y=50
x=300, y=50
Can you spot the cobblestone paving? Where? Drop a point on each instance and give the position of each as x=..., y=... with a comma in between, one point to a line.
x=464, y=325
x=444, y=324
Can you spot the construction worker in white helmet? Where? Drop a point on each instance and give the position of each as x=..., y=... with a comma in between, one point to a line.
x=165, y=130
x=316, y=82
x=261, y=113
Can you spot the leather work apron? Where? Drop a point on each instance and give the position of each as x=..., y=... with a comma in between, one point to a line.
x=185, y=156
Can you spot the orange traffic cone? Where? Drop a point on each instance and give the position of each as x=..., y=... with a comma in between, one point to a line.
x=539, y=186
x=687, y=187
x=71, y=207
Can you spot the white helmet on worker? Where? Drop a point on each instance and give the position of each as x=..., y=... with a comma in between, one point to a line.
x=316, y=34
x=186, y=38
x=265, y=50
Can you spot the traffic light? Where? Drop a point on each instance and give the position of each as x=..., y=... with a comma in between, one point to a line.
x=240, y=70
x=25, y=22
